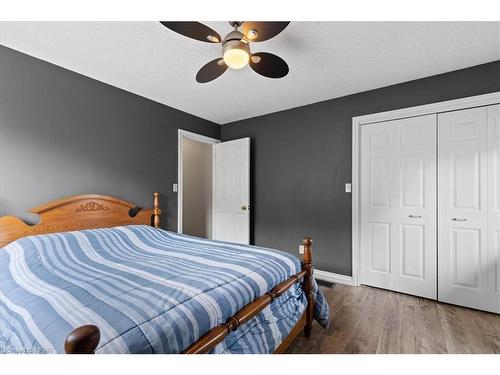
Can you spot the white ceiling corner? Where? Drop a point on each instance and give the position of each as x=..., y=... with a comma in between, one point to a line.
x=326, y=59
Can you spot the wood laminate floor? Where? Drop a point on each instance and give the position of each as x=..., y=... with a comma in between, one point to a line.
x=371, y=320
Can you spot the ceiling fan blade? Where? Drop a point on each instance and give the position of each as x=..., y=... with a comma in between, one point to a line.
x=262, y=30
x=211, y=70
x=195, y=30
x=268, y=65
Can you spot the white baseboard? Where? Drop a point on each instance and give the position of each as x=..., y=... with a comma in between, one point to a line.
x=333, y=277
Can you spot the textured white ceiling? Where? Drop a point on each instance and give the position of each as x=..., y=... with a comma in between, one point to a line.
x=326, y=59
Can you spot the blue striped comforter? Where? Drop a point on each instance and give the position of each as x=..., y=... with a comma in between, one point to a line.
x=148, y=290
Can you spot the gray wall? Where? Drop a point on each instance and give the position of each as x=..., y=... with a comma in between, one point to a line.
x=62, y=134
x=302, y=158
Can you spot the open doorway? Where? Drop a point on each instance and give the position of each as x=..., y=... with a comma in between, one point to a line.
x=214, y=188
x=195, y=178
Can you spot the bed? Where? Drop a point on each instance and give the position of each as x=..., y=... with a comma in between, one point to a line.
x=98, y=275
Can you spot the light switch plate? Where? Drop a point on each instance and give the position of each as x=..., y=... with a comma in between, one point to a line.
x=174, y=188
x=301, y=249
x=348, y=188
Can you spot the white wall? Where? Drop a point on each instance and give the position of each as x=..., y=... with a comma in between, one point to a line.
x=197, y=188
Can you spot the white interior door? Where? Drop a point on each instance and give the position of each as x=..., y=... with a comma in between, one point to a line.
x=398, y=205
x=463, y=208
x=494, y=207
x=231, y=205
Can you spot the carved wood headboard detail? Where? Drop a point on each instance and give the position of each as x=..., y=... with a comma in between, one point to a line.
x=79, y=212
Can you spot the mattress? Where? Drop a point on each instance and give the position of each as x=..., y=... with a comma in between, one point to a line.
x=148, y=290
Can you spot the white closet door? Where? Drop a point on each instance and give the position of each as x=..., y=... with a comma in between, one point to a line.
x=463, y=208
x=494, y=207
x=398, y=205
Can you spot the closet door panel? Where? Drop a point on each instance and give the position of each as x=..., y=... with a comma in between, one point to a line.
x=466, y=256
x=412, y=181
x=380, y=247
x=494, y=206
x=380, y=177
x=398, y=205
x=466, y=180
x=463, y=208
x=413, y=251
x=376, y=200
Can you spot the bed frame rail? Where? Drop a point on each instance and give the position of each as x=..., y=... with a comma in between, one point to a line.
x=85, y=339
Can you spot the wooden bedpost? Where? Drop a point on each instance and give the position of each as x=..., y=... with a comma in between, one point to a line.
x=82, y=340
x=156, y=210
x=308, y=284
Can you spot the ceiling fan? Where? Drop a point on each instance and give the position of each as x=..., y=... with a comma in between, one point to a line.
x=236, y=47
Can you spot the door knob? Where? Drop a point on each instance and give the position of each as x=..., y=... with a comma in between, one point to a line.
x=415, y=216
x=244, y=208
x=457, y=219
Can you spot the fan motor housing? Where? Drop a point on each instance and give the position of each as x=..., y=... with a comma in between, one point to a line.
x=234, y=40
x=233, y=35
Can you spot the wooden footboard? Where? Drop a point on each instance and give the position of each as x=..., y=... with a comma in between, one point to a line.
x=84, y=340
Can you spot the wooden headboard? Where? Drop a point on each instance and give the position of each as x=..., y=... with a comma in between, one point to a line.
x=88, y=211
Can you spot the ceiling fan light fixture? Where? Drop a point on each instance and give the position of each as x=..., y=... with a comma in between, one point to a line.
x=236, y=54
x=252, y=34
x=213, y=39
x=255, y=59
x=236, y=58
x=236, y=47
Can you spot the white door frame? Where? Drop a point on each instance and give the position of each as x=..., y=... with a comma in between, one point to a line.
x=357, y=122
x=197, y=137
